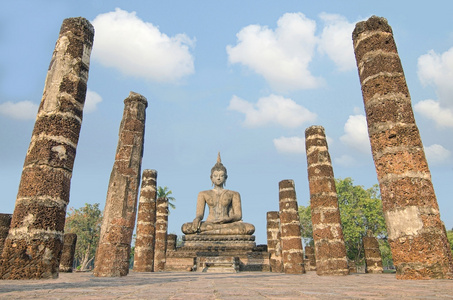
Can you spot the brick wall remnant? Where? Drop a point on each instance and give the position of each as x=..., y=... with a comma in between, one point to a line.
x=146, y=222
x=273, y=241
x=33, y=247
x=310, y=255
x=325, y=215
x=373, y=259
x=160, y=248
x=291, y=242
x=419, y=246
x=112, y=254
x=5, y=223
x=68, y=252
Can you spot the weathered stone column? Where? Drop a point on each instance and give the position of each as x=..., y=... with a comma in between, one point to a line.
x=146, y=222
x=171, y=242
x=67, y=255
x=112, y=255
x=160, y=248
x=5, y=223
x=373, y=259
x=291, y=242
x=419, y=246
x=273, y=241
x=33, y=247
x=310, y=255
x=325, y=215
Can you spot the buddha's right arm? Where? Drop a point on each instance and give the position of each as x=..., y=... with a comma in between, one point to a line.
x=201, y=203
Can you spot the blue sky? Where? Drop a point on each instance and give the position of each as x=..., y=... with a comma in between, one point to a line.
x=245, y=78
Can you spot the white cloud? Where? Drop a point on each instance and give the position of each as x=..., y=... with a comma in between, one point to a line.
x=436, y=70
x=356, y=134
x=293, y=144
x=24, y=110
x=91, y=101
x=432, y=109
x=282, y=56
x=137, y=48
x=273, y=109
x=436, y=154
x=336, y=41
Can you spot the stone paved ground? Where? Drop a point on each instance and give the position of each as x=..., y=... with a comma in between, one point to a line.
x=244, y=285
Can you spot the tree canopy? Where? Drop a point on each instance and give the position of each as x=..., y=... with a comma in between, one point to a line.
x=86, y=223
x=360, y=211
x=164, y=193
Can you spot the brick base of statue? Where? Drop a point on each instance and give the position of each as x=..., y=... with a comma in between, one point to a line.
x=222, y=253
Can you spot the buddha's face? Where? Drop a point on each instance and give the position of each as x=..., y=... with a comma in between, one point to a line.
x=218, y=178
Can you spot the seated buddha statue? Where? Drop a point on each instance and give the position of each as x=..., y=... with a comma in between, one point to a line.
x=225, y=212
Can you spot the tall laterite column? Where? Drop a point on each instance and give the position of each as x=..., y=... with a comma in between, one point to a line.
x=291, y=242
x=112, y=254
x=160, y=246
x=68, y=252
x=274, y=241
x=419, y=245
x=146, y=223
x=33, y=247
x=328, y=237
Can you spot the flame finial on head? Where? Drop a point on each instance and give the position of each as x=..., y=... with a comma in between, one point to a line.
x=219, y=160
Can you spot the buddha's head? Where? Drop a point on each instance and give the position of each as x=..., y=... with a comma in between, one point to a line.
x=219, y=173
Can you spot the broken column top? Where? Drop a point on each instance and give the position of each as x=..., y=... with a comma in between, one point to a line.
x=149, y=173
x=136, y=97
x=315, y=128
x=372, y=24
x=75, y=25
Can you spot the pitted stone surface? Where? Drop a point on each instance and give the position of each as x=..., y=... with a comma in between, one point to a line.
x=68, y=252
x=160, y=246
x=330, y=250
x=419, y=245
x=33, y=247
x=118, y=222
x=291, y=242
x=146, y=223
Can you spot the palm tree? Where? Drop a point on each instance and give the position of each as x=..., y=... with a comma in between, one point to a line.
x=164, y=193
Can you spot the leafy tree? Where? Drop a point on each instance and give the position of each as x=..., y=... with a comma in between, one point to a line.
x=164, y=193
x=360, y=211
x=450, y=239
x=306, y=226
x=86, y=223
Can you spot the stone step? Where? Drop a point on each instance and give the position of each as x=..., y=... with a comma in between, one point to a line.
x=218, y=264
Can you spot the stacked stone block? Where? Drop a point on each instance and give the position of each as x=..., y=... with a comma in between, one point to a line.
x=160, y=248
x=5, y=223
x=325, y=214
x=373, y=259
x=68, y=252
x=33, y=247
x=310, y=256
x=146, y=219
x=171, y=242
x=419, y=246
x=291, y=243
x=273, y=241
x=112, y=254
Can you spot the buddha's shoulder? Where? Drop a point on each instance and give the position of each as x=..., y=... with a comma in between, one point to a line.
x=212, y=192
